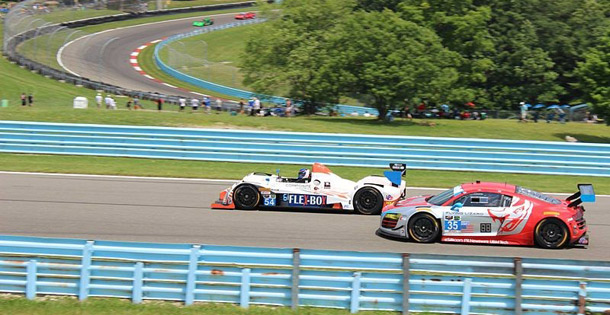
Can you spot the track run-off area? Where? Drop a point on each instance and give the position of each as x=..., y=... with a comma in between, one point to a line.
x=105, y=56
x=178, y=211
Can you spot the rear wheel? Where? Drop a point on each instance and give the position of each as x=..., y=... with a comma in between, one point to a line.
x=551, y=233
x=423, y=228
x=246, y=197
x=368, y=200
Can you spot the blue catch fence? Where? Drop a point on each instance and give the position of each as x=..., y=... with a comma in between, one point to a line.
x=460, y=154
x=302, y=277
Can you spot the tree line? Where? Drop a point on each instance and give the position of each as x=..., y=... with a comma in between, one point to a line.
x=393, y=53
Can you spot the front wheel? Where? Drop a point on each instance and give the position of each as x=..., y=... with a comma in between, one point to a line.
x=368, y=200
x=423, y=228
x=551, y=233
x=246, y=197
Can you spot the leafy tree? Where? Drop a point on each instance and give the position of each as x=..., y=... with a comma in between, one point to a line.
x=594, y=77
x=392, y=60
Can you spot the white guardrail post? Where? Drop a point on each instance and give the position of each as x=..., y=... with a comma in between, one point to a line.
x=30, y=284
x=466, y=296
x=518, y=285
x=296, y=270
x=355, y=300
x=406, y=274
x=191, y=277
x=138, y=277
x=244, y=294
x=85, y=272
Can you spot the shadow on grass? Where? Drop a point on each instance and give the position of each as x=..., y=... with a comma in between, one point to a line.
x=583, y=137
x=371, y=122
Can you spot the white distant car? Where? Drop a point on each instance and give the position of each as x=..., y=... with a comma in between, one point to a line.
x=316, y=188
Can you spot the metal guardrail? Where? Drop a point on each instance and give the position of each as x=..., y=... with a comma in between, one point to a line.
x=485, y=155
x=356, y=281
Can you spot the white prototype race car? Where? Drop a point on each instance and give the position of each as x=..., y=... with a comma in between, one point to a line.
x=315, y=188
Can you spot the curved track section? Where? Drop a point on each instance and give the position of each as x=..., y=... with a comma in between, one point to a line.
x=177, y=210
x=105, y=56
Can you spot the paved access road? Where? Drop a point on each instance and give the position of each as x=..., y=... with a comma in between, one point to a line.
x=104, y=56
x=177, y=211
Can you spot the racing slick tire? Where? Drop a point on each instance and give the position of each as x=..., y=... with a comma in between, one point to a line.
x=551, y=233
x=246, y=197
x=368, y=200
x=423, y=228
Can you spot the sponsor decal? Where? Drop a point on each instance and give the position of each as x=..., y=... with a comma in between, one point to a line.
x=467, y=227
x=474, y=241
x=263, y=189
x=301, y=186
x=550, y=213
x=512, y=219
x=388, y=197
x=298, y=200
x=326, y=185
x=316, y=182
x=448, y=217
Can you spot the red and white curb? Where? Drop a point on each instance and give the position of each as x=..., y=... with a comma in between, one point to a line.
x=133, y=60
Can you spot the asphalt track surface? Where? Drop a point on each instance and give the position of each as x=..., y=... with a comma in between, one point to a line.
x=104, y=56
x=177, y=211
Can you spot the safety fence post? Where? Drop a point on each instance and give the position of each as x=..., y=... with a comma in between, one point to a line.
x=191, y=276
x=244, y=296
x=30, y=283
x=406, y=274
x=582, y=297
x=466, y=296
x=85, y=272
x=296, y=270
x=518, y=284
x=355, y=300
x=138, y=276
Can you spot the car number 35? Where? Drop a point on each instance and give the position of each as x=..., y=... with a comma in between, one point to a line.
x=453, y=225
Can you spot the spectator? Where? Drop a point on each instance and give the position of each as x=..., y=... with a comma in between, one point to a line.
x=182, y=102
x=112, y=103
x=160, y=104
x=523, y=108
x=536, y=115
x=128, y=105
x=257, y=106
x=23, y=99
x=108, y=101
x=98, y=100
x=561, y=115
x=194, y=104
x=136, y=103
x=251, y=106
x=241, y=106
x=30, y=99
x=289, y=108
x=218, y=104
x=207, y=103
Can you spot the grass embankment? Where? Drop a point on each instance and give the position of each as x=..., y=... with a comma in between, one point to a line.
x=94, y=306
x=226, y=170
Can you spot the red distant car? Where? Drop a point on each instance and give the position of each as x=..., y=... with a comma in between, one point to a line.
x=245, y=16
x=490, y=213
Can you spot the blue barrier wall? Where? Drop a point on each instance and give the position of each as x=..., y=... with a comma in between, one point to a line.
x=302, y=277
x=485, y=155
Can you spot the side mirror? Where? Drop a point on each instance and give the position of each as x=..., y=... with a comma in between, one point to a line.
x=457, y=206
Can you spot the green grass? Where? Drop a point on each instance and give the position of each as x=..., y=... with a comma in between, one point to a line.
x=226, y=170
x=193, y=3
x=99, y=306
x=72, y=15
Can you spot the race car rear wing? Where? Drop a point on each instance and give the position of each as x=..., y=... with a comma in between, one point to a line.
x=585, y=193
x=398, y=170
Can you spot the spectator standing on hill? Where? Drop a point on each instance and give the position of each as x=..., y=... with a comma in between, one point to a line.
x=256, y=106
x=523, y=108
x=160, y=104
x=206, y=102
x=241, y=106
x=561, y=115
x=251, y=106
x=128, y=105
x=136, y=103
x=182, y=102
x=98, y=100
x=218, y=104
x=108, y=101
x=23, y=99
x=30, y=99
x=194, y=104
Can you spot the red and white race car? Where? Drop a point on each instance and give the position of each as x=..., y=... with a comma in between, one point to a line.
x=245, y=15
x=490, y=213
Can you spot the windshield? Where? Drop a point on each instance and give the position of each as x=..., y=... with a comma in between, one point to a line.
x=534, y=194
x=441, y=198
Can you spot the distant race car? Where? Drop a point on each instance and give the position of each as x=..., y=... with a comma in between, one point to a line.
x=318, y=188
x=490, y=213
x=245, y=16
x=205, y=22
